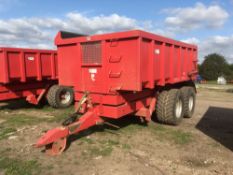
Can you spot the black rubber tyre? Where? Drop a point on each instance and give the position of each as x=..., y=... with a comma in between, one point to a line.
x=170, y=107
x=189, y=100
x=60, y=96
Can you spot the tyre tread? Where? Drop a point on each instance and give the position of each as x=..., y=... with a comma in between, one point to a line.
x=165, y=106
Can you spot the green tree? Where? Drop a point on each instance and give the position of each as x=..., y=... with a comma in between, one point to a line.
x=213, y=66
x=230, y=76
x=199, y=67
x=231, y=67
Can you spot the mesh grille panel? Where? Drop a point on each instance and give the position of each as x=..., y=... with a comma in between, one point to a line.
x=91, y=53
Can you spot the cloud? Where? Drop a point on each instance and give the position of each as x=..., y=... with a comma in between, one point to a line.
x=99, y=24
x=218, y=44
x=199, y=16
x=215, y=44
x=40, y=32
x=15, y=32
x=37, y=32
x=192, y=40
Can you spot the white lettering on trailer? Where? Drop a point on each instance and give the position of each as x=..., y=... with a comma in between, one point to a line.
x=93, y=77
x=31, y=58
x=157, y=51
x=92, y=71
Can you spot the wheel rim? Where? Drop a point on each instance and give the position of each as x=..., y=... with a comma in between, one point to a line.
x=65, y=97
x=191, y=103
x=179, y=108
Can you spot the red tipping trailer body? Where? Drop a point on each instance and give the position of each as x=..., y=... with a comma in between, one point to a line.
x=27, y=73
x=128, y=61
x=118, y=74
x=122, y=67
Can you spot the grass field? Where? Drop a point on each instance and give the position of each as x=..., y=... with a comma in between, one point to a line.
x=135, y=148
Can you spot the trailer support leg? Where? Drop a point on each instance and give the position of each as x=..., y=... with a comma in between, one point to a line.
x=147, y=112
x=36, y=100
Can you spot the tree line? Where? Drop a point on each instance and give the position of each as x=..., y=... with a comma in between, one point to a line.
x=215, y=65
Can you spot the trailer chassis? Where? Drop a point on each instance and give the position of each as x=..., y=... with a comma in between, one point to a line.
x=94, y=107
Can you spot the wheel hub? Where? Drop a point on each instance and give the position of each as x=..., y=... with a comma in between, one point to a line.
x=191, y=102
x=65, y=97
x=179, y=108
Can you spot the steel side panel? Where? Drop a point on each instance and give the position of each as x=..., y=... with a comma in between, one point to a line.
x=22, y=65
x=170, y=63
x=2, y=70
x=69, y=65
x=127, y=67
x=118, y=69
x=94, y=78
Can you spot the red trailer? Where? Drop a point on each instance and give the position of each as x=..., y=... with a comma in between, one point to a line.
x=123, y=73
x=31, y=74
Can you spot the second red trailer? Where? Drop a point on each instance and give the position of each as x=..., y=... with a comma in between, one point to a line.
x=30, y=74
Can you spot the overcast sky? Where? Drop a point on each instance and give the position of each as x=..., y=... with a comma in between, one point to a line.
x=34, y=23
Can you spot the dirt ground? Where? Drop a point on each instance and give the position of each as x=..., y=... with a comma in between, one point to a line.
x=200, y=145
